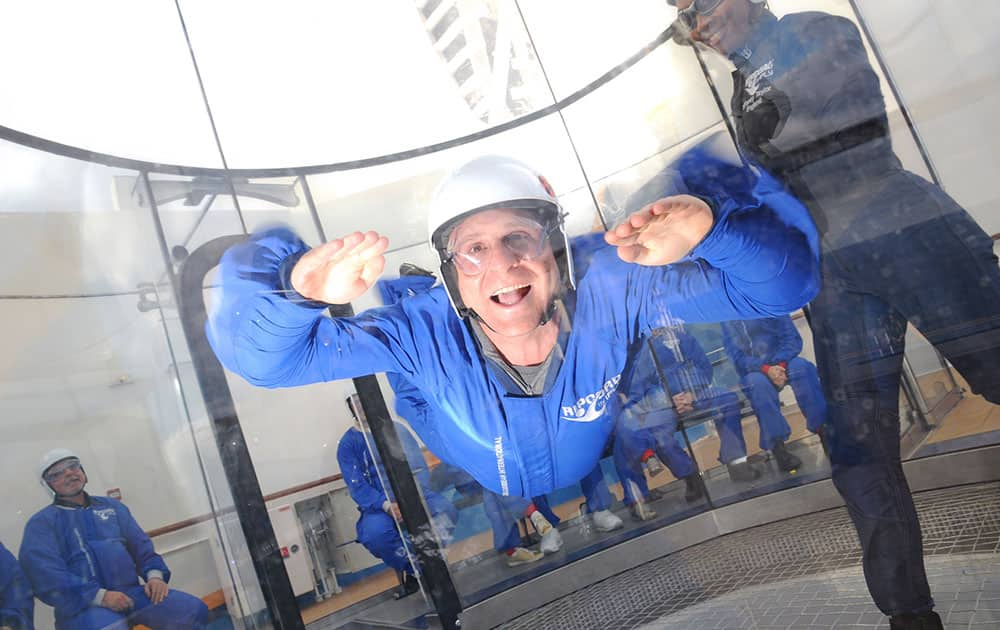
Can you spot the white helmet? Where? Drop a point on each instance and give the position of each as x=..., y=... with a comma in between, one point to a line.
x=50, y=459
x=493, y=182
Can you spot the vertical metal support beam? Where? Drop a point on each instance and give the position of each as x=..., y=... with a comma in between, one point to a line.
x=430, y=558
x=680, y=423
x=880, y=59
x=718, y=97
x=240, y=474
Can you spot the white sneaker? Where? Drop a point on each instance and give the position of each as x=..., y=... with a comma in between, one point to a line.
x=606, y=521
x=523, y=556
x=551, y=540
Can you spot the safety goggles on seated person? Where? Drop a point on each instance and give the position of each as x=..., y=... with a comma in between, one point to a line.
x=526, y=240
x=689, y=16
x=59, y=469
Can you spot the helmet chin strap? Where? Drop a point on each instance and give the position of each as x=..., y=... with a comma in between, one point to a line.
x=547, y=316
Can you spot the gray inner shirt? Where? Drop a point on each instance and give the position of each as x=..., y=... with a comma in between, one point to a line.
x=531, y=379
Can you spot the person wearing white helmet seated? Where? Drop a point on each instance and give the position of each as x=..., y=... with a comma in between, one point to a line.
x=524, y=393
x=85, y=556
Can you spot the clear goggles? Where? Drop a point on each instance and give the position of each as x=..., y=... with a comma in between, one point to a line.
x=689, y=16
x=525, y=240
x=59, y=469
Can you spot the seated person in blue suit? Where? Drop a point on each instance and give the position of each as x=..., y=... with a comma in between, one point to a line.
x=379, y=521
x=17, y=605
x=689, y=396
x=766, y=355
x=646, y=435
x=85, y=555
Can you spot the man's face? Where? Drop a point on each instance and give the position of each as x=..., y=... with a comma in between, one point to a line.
x=66, y=478
x=514, y=275
x=725, y=28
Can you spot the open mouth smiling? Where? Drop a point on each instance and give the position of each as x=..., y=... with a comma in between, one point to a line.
x=509, y=296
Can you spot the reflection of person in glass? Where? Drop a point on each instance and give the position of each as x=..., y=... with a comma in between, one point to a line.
x=378, y=523
x=84, y=556
x=525, y=395
x=17, y=604
x=766, y=355
x=808, y=107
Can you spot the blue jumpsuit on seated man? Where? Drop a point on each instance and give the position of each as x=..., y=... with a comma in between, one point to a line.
x=17, y=604
x=755, y=346
x=376, y=528
x=653, y=416
x=81, y=550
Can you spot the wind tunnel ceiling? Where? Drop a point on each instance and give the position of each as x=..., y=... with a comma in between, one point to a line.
x=299, y=82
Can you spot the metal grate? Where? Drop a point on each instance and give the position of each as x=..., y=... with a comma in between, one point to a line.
x=962, y=520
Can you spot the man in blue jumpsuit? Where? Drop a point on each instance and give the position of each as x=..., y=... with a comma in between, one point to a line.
x=17, y=605
x=808, y=107
x=378, y=523
x=766, y=355
x=503, y=512
x=85, y=555
x=526, y=396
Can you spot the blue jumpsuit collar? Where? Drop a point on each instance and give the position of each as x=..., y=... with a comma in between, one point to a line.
x=64, y=503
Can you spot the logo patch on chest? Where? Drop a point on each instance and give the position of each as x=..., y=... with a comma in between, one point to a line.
x=757, y=85
x=105, y=515
x=591, y=407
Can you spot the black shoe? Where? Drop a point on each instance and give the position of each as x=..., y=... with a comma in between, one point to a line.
x=409, y=586
x=743, y=471
x=641, y=512
x=409, y=269
x=654, y=494
x=695, y=488
x=921, y=621
x=786, y=461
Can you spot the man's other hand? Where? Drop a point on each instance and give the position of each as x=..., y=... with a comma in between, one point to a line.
x=117, y=601
x=156, y=590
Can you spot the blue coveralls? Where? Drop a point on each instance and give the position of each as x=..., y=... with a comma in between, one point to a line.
x=376, y=529
x=758, y=260
x=688, y=369
x=808, y=107
x=503, y=512
x=754, y=344
x=648, y=421
x=17, y=604
x=73, y=554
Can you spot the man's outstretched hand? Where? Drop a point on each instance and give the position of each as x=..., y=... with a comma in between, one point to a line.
x=341, y=270
x=662, y=232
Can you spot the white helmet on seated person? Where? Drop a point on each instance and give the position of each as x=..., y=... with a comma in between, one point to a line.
x=488, y=183
x=50, y=459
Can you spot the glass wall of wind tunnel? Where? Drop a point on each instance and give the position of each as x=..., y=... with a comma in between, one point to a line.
x=85, y=301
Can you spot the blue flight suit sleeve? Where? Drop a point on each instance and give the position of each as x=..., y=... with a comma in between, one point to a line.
x=48, y=571
x=352, y=454
x=737, y=344
x=17, y=604
x=148, y=563
x=261, y=329
x=789, y=343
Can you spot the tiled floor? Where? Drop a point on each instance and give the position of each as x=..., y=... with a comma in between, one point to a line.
x=966, y=587
x=961, y=524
